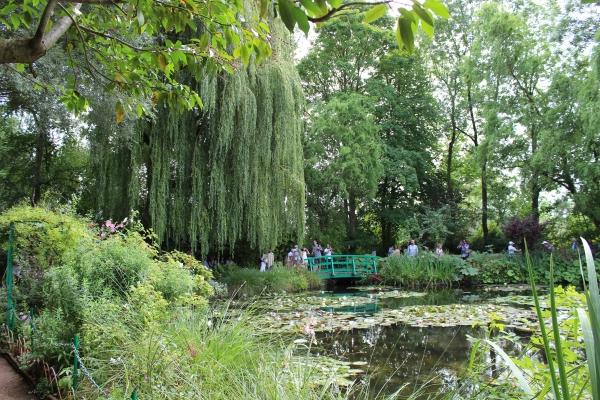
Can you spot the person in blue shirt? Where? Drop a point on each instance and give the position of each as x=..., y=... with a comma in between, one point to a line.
x=464, y=249
x=574, y=246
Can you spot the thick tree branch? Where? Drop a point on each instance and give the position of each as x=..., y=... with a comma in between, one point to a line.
x=41, y=29
x=29, y=50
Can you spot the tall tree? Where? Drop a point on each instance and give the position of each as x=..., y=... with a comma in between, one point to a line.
x=211, y=181
x=407, y=114
x=40, y=146
x=352, y=58
x=345, y=145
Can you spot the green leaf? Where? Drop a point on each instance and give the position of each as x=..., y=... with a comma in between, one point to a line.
x=590, y=348
x=119, y=112
x=322, y=5
x=302, y=19
x=287, y=14
x=161, y=60
x=521, y=379
x=562, y=367
x=245, y=53
x=375, y=13
x=437, y=7
x=423, y=14
x=312, y=7
x=140, y=17
x=15, y=21
x=335, y=3
x=20, y=67
x=404, y=34
x=428, y=29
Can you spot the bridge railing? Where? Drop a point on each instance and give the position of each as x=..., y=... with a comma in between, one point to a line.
x=343, y=265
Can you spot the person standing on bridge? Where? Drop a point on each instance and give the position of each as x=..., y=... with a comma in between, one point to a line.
x=305, y=256
x=412, y=250
x=328, y=252
x=317, y=249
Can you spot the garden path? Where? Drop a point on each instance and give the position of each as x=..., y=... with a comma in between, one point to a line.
x=12, y=385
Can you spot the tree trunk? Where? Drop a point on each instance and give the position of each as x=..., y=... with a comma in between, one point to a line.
x=450, y=156
x=352, y=218
x=484, y=201
x=535, y=186
x=535, y=199
x=484, y=193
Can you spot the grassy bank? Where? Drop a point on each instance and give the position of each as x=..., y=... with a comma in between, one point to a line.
x=251, y=282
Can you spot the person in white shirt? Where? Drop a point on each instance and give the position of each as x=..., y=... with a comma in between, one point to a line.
x=439, y=251
x=263, y=264
x=412, y=250
x=512, y=249
x=270, y=259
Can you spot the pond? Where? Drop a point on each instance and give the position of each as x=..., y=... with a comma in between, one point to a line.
x=390, y=339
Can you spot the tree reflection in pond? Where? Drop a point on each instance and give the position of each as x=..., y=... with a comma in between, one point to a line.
x=396, y=356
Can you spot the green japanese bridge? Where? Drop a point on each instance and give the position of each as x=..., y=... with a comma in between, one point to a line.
x=343, y=266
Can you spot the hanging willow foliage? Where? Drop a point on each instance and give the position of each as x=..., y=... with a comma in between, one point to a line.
x=230, y=173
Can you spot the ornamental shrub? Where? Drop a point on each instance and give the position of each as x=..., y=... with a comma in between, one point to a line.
x=524, y=229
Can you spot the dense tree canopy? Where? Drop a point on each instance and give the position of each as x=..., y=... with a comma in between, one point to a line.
x=137, y=47
x=364, y=145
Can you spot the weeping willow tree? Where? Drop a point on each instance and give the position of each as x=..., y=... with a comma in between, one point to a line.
x=212, y=178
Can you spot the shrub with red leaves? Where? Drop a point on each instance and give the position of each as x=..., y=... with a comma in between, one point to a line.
x=524, y=229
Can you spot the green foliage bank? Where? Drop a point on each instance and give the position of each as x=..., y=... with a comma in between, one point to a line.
x=141, y=316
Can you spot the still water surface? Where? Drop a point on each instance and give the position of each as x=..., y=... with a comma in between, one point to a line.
x=401, y=357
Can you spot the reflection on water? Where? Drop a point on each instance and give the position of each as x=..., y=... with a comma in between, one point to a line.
x=400, y=357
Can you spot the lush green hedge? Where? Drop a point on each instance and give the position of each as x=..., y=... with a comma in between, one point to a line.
x=480, y=268
x=424, y=270
x=251, y=282
x=501, y=269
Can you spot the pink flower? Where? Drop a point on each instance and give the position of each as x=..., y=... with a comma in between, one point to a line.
x=110, y=225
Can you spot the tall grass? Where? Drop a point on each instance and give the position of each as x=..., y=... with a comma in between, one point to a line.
x=560, y=371
x=196, y=356
x=426, y=270
x=251, y=282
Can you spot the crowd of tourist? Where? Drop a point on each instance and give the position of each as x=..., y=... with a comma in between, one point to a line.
x=412, y=250
x=298, y=256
